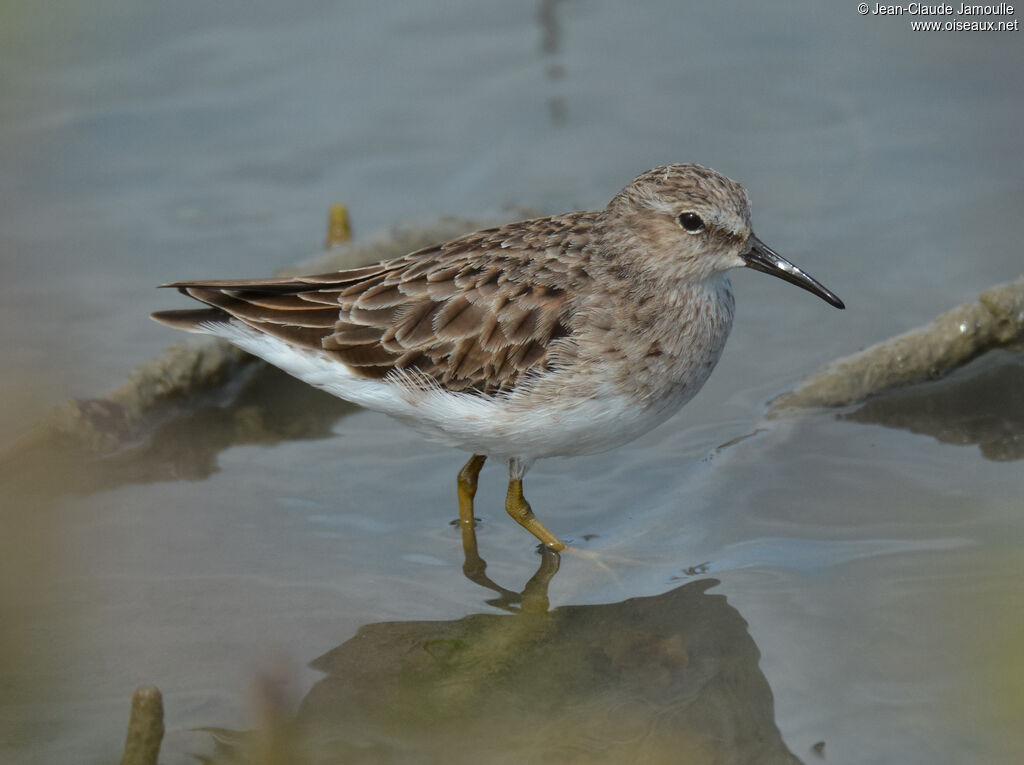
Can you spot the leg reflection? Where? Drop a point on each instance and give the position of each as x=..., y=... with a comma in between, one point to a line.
x=534, y=596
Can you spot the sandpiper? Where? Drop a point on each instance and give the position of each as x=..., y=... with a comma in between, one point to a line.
x=565, y=335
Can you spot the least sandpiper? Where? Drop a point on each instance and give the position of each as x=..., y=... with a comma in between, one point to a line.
x=554, y=336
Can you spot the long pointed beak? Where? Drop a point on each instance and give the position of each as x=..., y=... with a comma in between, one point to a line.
x=761, y=257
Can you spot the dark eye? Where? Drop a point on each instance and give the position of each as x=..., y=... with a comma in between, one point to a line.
x=691, y=222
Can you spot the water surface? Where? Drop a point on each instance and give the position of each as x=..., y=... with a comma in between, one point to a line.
x=866, y=571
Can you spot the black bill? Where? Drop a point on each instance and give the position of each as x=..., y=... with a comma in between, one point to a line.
x=761, y=257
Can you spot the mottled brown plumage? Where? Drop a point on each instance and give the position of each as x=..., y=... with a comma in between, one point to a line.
x=473, y=314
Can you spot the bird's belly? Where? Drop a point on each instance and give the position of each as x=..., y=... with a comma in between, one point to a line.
x=539, y=425
x=556, y=427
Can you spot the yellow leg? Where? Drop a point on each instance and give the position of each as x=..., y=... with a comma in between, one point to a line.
x=467, y=488
x=517, y=506
x=474, y=566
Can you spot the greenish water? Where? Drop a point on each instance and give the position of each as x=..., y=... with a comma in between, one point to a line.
x=280, y=561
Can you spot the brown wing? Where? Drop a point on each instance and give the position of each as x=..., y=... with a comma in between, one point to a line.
x=474, y=313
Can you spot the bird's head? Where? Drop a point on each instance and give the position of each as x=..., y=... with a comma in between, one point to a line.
x=690, y=223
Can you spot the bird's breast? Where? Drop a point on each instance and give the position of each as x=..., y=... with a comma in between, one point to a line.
x=670, y=349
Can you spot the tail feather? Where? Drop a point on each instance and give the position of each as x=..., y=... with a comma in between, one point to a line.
x=190, y=319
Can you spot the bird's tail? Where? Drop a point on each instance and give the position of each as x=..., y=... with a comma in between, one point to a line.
x=192, y=320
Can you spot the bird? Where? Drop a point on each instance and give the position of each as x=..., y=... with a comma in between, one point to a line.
x=556, y=336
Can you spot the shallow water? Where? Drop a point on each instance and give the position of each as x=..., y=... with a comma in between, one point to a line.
x=872, y=562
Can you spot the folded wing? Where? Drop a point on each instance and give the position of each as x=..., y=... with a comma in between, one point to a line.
x=474, y=314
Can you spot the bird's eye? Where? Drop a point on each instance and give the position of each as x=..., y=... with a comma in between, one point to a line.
x=691, y=222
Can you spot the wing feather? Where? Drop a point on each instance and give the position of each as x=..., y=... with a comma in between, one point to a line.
x=473, y=314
